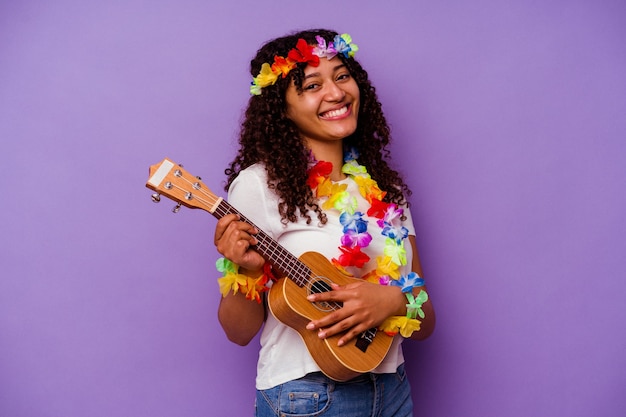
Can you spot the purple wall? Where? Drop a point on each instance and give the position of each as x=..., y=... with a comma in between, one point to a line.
x=509, y=123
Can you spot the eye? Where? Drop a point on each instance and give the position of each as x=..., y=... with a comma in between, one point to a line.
x=343, y=76
x=312, y=86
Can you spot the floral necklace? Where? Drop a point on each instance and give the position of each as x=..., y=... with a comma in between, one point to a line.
x=355, y=227
x=355, y=237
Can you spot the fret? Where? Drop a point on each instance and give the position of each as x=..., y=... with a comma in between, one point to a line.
x=283, y=260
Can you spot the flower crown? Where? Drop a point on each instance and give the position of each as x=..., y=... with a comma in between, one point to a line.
x=303, y=52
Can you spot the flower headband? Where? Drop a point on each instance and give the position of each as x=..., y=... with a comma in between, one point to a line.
x=303, y=52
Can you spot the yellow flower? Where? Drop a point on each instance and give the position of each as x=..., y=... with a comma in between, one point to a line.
x=253, y=289
x=336, y=193
x=231, y=282
x=386, y=266
x=405, y=325
x=410, y=326
x=266, y=76
x=325, y=188
x=368, y=188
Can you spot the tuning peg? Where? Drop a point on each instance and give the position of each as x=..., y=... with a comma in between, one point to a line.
x=156, y=197
x=176, y=208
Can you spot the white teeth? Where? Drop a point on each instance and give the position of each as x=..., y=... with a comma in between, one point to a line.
x=335, y=113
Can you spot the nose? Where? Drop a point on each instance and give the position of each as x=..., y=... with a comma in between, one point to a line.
x=334, y=92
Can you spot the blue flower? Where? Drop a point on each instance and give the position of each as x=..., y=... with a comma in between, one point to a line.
x=350, y=155
x=407, y=282
x=353, y=222
x=398, y=234
x=343, y=45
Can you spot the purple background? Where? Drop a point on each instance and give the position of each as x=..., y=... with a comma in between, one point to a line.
x=509, y=121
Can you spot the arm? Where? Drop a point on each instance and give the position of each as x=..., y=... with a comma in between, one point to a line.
x=428, y=322
x=367, y=305
x=240, y=318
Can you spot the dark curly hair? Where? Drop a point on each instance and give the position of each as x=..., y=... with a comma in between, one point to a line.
x=267, y=136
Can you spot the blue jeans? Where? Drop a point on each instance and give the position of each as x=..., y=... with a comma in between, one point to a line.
x=373, y=395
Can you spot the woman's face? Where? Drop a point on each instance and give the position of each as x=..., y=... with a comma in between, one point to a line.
x=328, y=107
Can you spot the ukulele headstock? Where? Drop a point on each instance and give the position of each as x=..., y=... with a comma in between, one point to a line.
x=171, y=180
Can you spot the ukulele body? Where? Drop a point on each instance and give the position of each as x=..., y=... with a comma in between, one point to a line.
x=288, y=303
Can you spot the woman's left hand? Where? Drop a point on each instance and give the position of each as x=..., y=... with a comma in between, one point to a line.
x=365, y=305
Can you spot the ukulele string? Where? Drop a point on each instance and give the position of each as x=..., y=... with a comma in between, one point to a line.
x=302, y=273
x=210, y=200
x=282, y=259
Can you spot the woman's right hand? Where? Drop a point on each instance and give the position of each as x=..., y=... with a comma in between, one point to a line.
x=235, y=240
x=240, y=318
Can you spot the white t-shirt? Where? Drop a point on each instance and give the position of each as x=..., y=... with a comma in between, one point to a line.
x=283, y=356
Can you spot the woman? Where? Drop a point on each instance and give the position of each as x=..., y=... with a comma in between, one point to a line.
x=312, y=173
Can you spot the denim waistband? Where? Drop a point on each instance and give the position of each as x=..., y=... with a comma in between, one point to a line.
x=366, y=377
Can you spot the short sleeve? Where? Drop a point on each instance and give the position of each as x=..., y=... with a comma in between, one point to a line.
x=408, y=223
x=249, y=194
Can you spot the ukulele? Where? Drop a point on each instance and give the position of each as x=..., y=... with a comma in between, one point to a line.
x=287, y=298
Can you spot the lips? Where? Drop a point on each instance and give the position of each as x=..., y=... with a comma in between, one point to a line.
x=336, y=113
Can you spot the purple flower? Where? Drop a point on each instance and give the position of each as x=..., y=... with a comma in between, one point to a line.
x=352, y=238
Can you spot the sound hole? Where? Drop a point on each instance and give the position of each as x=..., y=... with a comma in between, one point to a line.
x=318, y=285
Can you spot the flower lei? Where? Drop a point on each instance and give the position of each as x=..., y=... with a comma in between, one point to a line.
x=356, y=236
x=233, y=280
x=303, y=52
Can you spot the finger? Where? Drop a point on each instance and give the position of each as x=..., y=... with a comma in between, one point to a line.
x=348, y=329
x=351, y=334
x=344, y=328
x=328, y=321
x=235, y=232
x=336, y=294
x=222, y=225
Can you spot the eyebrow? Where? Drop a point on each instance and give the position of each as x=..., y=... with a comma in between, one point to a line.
x=316, y=74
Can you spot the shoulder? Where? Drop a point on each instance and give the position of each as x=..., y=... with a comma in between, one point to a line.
x=253, y=171
x=251, y=179
x=251, y=196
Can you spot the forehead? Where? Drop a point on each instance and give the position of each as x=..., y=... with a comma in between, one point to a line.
x=325, y=66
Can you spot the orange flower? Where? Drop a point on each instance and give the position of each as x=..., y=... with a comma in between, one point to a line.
x=282, y=65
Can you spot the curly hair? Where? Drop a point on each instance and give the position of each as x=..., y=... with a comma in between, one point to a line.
x=268, y=137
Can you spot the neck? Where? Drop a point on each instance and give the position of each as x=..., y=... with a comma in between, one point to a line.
x=330, y=152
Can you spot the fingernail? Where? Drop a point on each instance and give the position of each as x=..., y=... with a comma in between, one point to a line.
x=321, y=334
x=310, y=326
x=340, y=342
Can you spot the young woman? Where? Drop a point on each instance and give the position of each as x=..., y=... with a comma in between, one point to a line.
x=312, y=172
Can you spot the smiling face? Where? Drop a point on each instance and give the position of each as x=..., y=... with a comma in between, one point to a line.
x=328, y=107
